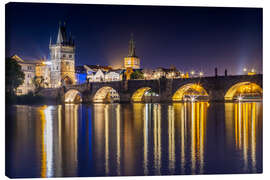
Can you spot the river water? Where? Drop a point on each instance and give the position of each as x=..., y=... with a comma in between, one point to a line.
x=133, y=139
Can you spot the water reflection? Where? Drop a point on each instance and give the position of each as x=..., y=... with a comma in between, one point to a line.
x=134, y=139
x=244, y=126
x=191, y=118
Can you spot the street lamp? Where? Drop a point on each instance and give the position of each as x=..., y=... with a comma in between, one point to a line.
x=245, y=69
x=252, y=70
x=192, y=73
x=182, y=75
x=144, y=75
x=201, y=74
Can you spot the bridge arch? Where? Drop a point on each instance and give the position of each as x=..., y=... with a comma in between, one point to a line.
x=190, y=91
x=106, y=94
x=244, y=90
x=144, y=94
x=73, y=96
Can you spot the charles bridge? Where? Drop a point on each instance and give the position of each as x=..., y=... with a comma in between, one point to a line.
x=218, y=88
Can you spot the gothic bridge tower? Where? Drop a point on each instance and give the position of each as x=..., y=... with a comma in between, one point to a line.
x=62, y=55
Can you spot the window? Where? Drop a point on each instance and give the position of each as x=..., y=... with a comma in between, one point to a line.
x=64, y=55
x=19, y=90
x=29, y=67
x=67, y=63
x=70, y=56
x=56, y=67
x=29, y=75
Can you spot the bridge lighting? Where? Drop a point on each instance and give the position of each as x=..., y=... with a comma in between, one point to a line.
x=240, y=98
x=192, y=98
x=144, y=75
x=47, y=63
x=182, y=75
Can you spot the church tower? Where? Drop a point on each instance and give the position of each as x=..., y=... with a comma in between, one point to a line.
x=131, y=61
x=62, y=55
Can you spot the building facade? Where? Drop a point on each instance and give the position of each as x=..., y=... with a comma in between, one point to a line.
x=96, y=76
x=114, y=75
x=29, y=70
x=43, y=71
x=62, y=55
x=131, y=61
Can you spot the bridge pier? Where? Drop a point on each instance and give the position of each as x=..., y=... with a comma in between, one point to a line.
x=217, y=95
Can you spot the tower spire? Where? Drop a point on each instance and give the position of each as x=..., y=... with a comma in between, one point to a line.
x=50, y=41
x=131, y=50
x=59, y=36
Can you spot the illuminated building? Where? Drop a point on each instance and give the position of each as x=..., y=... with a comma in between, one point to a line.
x=97, y=67
x=131, y=61
x=169, y=73
x=81, y=74
x=62, y=59
x=97, y=76
x=29, y=70
x=114, y=75
x=43, y=71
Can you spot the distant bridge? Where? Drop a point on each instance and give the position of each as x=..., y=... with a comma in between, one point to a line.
x=220, y=88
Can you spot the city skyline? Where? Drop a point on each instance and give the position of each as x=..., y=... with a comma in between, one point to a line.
x=191, y=38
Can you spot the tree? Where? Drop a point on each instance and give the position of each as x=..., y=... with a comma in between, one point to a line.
x=14, y=76
x=137, y=75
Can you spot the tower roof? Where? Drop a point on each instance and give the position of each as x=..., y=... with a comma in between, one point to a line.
x=62, y=37
x=131, y=48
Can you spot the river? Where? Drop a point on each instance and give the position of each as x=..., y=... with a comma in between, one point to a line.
x=133, y=139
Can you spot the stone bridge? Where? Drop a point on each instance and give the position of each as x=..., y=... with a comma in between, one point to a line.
x=218, y=88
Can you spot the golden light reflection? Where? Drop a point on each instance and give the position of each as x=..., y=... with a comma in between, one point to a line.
x=58, y=144
x=189, y=90
x=247, y=89
x=157, y=137
x=145, y=138
x=43, y=148
x=191, y=118
x=46, y=141
x=106, y=140
x=70, y=143
x=118, y=135
x=171, y=138
x=245, y=129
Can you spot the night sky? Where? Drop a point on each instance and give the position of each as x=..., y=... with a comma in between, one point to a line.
x=191, y=38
